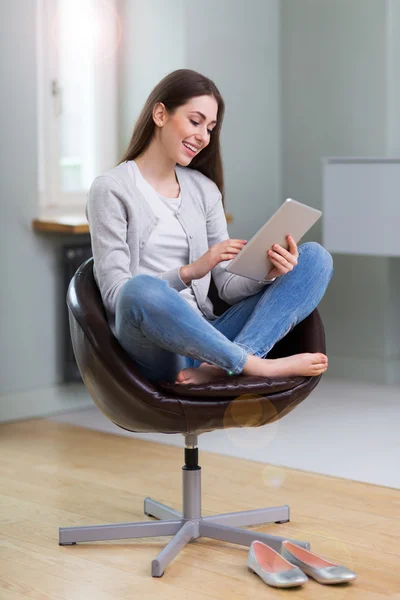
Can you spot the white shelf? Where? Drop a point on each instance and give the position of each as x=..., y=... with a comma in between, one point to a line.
x=361, y=205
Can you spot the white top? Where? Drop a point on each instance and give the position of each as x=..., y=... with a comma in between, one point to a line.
x=167, y=247
x=121, y=222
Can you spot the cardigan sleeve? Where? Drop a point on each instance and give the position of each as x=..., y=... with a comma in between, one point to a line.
x=108, y=225
x=107, y=219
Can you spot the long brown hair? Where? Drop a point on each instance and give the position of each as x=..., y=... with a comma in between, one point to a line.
x=173, y=91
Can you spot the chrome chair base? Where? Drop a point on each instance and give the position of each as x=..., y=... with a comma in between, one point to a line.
x=186, y=526
x=224, y=527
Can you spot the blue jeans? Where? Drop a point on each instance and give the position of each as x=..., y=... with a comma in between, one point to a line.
x=162, y=333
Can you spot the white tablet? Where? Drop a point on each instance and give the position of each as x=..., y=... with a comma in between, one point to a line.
x=292, y=218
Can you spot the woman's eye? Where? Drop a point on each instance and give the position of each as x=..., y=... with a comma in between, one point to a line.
x=195, y=123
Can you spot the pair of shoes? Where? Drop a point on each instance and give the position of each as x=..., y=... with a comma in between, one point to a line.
x=291, y=567
x=272, y=567
x=315, y=566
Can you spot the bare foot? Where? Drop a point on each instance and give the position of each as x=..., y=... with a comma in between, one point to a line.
x=308, y=364
x=201, y=374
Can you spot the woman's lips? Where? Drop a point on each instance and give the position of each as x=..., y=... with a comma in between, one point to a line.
x=188, y=150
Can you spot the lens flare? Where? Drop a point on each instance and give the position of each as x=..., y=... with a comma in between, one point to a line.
x=86, y=31
x=242, y=422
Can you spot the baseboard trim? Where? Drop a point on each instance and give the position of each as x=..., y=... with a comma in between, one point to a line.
x=43, y=402
x=57, y=399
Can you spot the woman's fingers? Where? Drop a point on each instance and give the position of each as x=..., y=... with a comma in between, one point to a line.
x=276, y=256
x=234, y=246
x=292, y=245
x=291, y=258
x=227, y=256
x=228, y=249
x=292, y=255
x=237, y=243
x=282, y=258
x=279, y=260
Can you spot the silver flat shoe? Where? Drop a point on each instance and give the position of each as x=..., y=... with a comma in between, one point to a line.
x=317, y=567
x=272, y=567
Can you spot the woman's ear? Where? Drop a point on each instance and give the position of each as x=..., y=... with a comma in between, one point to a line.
x=159, y=113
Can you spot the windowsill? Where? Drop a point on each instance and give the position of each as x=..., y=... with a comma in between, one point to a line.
x=74, y=223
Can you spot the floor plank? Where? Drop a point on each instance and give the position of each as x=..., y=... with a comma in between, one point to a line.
x=55, y=474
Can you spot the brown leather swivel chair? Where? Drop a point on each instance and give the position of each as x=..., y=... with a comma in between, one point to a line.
x=134, y=404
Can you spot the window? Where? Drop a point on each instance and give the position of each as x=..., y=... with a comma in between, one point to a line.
x=77, y=43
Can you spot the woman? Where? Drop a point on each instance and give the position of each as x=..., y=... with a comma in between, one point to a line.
x=159, y=233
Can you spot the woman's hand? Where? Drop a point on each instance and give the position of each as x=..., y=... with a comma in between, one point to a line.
x=225, y=250
x=283, y=260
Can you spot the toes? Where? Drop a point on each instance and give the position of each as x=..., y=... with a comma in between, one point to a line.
x=181, y=376
x=183, y=380
x=319, y=370
x=319, y=365
x=319, y=359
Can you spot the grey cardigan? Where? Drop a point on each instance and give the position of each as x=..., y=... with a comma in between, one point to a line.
x=121, y=221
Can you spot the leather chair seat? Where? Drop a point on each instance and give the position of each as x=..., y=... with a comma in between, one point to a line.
x=135, y=404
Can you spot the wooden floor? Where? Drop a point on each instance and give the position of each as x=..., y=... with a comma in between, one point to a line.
x=54, y=474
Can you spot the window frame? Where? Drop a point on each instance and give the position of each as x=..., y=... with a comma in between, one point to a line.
x=49, y=99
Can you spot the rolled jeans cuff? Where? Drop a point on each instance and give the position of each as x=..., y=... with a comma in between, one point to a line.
x=239, y=367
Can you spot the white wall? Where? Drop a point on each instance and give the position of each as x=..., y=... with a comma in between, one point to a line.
x=31, y=293
x=393, y=76
x=238, y=49
x=337, y=89
x=340, y=96
x=158, y=37
x=152, y=45
x=393, y=127
x=236, y=44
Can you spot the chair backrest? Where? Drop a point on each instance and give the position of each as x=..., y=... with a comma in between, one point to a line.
x=133, y=403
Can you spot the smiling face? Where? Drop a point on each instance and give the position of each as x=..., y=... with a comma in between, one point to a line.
x=188, y=130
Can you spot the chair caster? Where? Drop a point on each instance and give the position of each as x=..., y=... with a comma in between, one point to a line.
x=287, y=521
x=67, y=544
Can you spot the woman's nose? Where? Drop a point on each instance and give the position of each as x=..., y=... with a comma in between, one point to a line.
x=202, y=138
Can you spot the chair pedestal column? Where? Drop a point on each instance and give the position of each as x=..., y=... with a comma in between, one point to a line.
x=191, y=493
x=188, y=525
